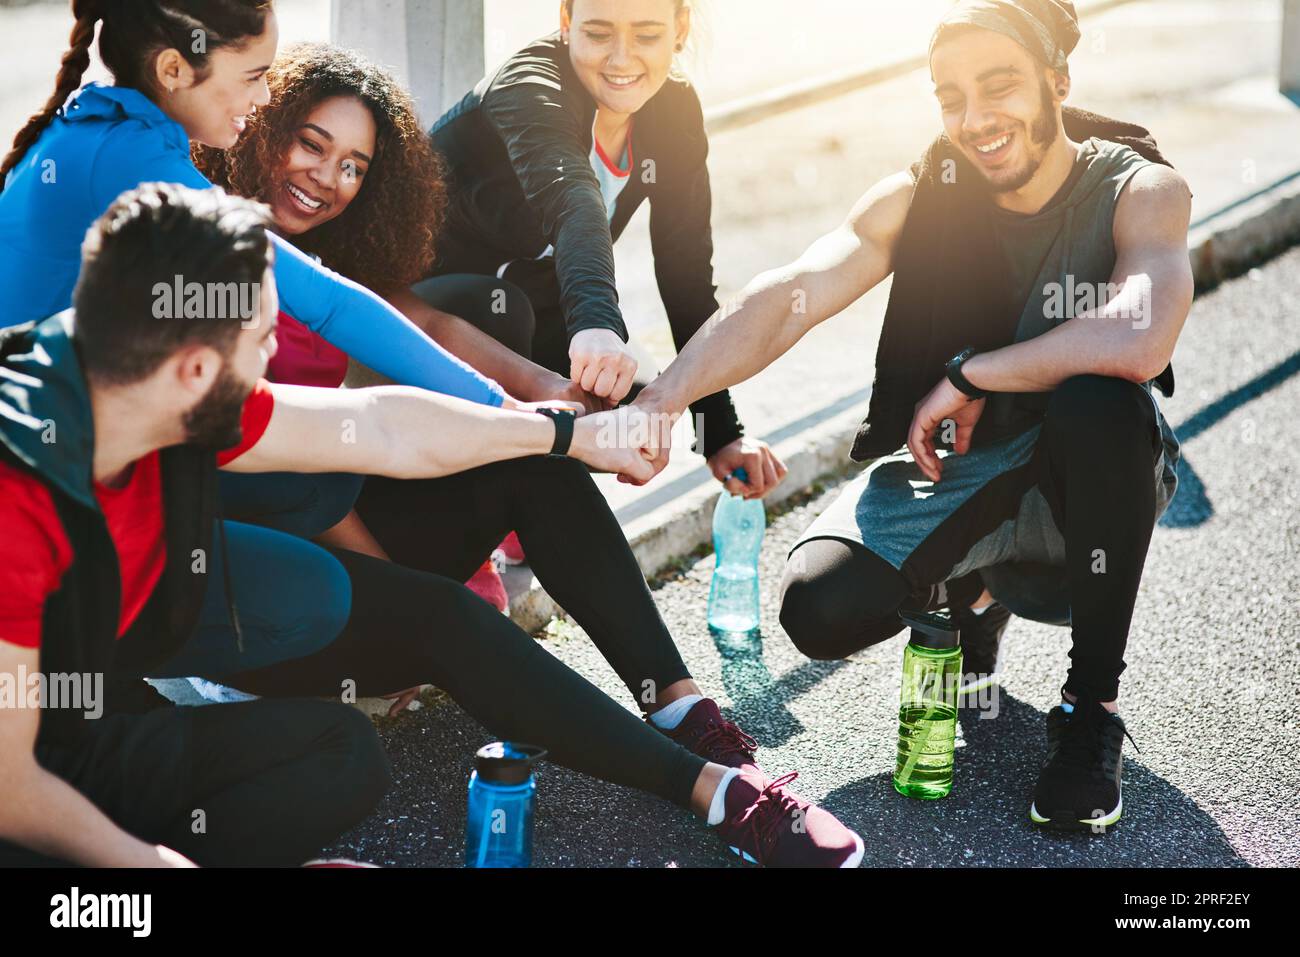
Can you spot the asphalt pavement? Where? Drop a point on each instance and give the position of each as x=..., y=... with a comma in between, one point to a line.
x=1209, y=695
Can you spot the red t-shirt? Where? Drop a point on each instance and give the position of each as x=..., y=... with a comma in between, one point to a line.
x=35, y=552
x=304, y=358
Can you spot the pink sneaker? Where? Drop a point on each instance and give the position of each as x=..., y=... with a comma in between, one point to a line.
x=510, y=552
x=487, y=584
x=772, y=827
x=707, y=733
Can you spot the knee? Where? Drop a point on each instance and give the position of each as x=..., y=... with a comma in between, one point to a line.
x=519, y=314
x=822, y=625
x=364, y=774
x=319, y=607
x=507, y=314
x=1099, y=406
x=336, y=495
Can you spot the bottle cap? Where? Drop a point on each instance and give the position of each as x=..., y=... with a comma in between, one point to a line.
x=935, y=631
x=507, y=762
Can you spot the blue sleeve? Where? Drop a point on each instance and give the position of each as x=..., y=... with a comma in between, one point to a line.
x=352, y=318
x=132, y=155
x=346, y=315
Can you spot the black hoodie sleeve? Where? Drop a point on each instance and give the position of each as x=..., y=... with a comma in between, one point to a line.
x=537, y=121
x=681, y=237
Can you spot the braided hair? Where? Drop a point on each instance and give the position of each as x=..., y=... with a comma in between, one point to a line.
x=134, y=32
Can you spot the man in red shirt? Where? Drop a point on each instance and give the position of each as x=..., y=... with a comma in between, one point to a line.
x=110, y=421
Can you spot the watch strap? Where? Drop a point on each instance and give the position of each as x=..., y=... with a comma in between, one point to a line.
x=564, y=420
x=958, y=378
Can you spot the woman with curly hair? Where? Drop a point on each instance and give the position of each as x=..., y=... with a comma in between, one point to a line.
x=378, y=230
x=351, y=178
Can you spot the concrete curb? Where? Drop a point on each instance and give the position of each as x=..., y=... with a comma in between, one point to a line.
x=1224, y=245
x=1246, y=233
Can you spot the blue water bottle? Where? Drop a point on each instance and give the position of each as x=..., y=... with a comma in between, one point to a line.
x=502, y=792
x=738, y=527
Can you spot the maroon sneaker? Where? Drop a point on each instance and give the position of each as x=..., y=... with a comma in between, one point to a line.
x=772, y=827
x=707, y=733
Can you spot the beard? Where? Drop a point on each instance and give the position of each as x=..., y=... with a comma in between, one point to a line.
x=216, y=421
x=1042, y=134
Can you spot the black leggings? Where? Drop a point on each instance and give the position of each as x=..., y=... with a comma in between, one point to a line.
x=412, y=622
x=494, y=306
x=1094, y=463
x=262, y=783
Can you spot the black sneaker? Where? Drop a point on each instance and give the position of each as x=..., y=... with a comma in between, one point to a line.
x=1079, y=786
x=981, y=645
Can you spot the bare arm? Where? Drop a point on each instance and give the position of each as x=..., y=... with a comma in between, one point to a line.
x=778, y=307
x=1140, y=323
x=402, y=432
x=44, y=813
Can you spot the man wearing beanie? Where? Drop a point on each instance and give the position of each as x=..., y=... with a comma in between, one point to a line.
x=1018, y=458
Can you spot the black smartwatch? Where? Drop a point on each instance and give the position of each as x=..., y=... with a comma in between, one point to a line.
x=563, y=419
x=958, y=378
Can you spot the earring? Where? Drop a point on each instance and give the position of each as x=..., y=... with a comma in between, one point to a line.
x=681, y=47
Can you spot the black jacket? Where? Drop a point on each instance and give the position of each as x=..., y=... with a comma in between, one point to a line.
x=42, y=386
x=518, y=152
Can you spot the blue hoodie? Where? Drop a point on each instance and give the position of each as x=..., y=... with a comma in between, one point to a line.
x=110, y=139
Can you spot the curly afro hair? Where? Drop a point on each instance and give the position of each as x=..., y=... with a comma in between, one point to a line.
x=384, y=239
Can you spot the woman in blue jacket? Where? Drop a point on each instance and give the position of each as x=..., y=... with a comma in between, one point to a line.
x=188, y=70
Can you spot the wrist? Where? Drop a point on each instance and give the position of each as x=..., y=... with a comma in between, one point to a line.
x=657, y=397
x=976, y=371
x=955, y=371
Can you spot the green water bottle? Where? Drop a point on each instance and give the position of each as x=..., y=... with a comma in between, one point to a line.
x=927, y=714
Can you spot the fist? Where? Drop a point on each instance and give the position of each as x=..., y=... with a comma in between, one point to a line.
x=600, y=363
x=619, y=441
x=761, y=465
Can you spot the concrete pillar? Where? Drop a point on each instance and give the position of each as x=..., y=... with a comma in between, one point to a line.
x=1289, y=74
x=435, y=47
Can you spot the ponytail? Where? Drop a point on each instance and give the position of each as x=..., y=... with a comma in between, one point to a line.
x=71, y=69
x=130, y=39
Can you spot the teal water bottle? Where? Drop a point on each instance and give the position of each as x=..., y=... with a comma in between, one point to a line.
x=502, y=793
x=927, y=713
x=738, y=527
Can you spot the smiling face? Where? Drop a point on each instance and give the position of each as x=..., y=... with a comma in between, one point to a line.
x=214, y=107
x=323, y=169
x=999, y=105
x=622, y=50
